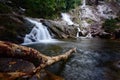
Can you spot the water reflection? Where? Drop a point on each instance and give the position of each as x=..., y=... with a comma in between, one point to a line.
x=95, y=59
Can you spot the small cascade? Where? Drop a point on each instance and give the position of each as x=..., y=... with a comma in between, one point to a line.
x=39, y=33
x=89, y=35
x=86, y=12
x=83, y=3
x=91, y=15
x=78, y=32
x=66, y=18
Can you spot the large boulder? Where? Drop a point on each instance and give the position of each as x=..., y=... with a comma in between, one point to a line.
x=60, y=29
x=13, y=28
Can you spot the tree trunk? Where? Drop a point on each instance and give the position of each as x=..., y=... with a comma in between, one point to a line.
x=10, y=50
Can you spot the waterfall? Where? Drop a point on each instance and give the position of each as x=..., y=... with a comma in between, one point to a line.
x=89, y=35
x=78, y=32
x=39, y=33
x=86, y=12
x=92, y=17
x=67, y=19
x=83, y=3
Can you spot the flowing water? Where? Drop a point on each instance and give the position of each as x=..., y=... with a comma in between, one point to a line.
x=66, y=18
x=39, y=33
x=83, y=3
x=95, y=59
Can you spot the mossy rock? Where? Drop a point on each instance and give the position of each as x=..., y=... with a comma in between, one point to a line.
x=110, y=25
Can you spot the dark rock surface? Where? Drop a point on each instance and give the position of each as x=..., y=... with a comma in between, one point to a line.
x=13, y=27
x=60, y=29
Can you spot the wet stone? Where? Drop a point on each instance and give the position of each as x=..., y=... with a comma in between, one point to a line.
x=13, y=65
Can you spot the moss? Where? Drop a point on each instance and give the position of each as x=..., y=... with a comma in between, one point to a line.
x=110, y=25
x=89, y=21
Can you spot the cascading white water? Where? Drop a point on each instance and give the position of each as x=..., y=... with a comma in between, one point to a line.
x=83, y=3
x=67, y=19
x=89, y=35
x=94, y=15
x=78, y=31
x=39, y=33
x=85, y=13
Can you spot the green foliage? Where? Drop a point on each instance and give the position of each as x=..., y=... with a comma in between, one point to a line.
x=111, y=24
x=45, y=8
x=39, y=8
x=60, y=5
x=72, y=3
x=118, y=1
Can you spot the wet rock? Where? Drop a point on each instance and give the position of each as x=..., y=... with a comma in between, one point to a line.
x=50, y=76
x=13, y=28
x=60, y=29
x=105, y=35
x=117, y=64
x=116, y=34
x=91, y=17
x=11, y=64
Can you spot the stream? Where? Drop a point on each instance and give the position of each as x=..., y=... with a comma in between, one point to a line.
x=95, y=59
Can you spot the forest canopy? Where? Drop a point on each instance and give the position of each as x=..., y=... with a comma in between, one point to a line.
x=45, y=8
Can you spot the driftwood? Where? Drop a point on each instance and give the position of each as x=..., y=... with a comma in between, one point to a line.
x=16, y=58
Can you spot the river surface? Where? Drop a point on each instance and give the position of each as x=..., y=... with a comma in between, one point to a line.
x=95, y=59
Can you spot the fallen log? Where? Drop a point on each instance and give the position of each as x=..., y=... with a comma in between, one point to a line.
x=12, y=54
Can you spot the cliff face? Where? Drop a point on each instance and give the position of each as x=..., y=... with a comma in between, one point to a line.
x=96, y=19
x=91, y=16
x=13, y=26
